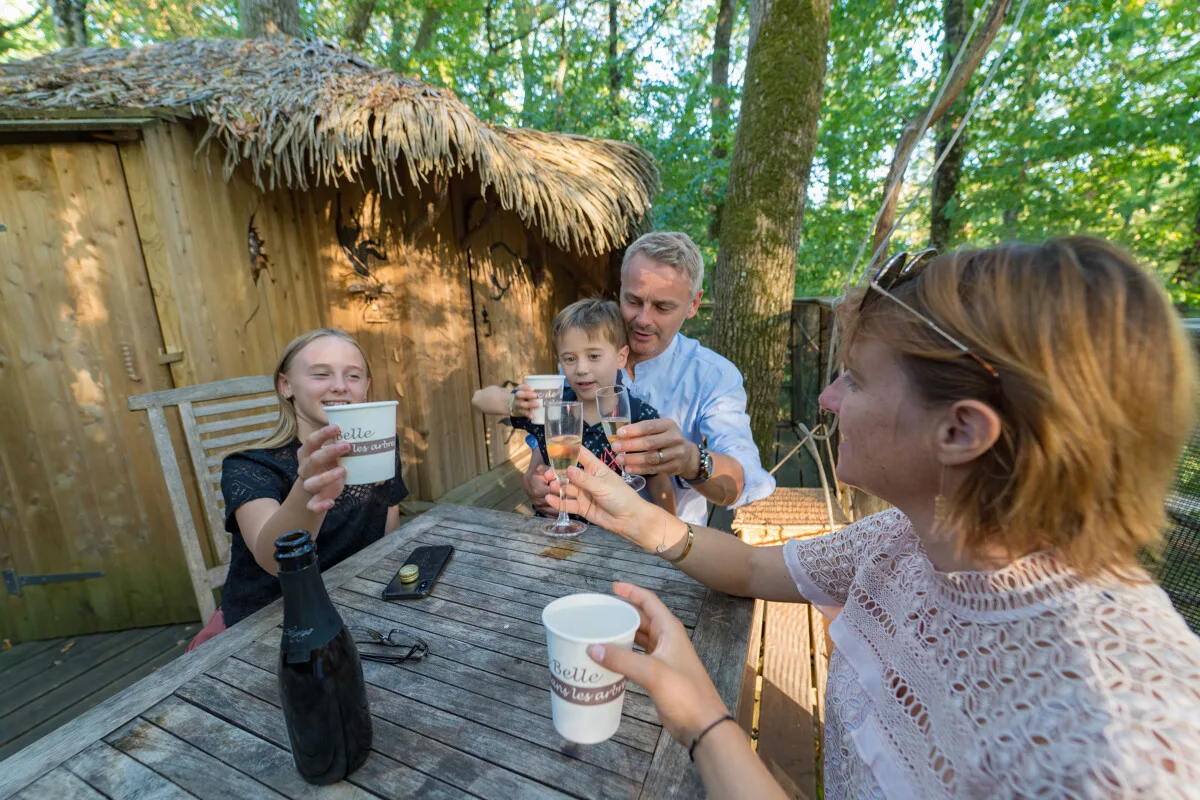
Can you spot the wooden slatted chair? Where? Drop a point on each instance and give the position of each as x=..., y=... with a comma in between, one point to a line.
x=215, y=417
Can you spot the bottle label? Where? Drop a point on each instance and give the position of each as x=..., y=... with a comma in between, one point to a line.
x=309, y=618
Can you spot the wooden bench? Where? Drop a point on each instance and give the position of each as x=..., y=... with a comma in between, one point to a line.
x=788, y=679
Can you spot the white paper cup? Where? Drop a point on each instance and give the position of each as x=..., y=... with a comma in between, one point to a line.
x=370, y=428
x=585, y=698
x=549, y=388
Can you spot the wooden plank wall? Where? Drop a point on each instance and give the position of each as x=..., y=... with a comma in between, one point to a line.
x=413, y=312
x=80, y=487
x=520, y=283
x=134, y=260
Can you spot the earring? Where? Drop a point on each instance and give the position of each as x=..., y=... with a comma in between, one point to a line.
x=940, y=504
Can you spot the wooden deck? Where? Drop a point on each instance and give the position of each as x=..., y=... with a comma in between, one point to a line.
x=44, y=685
x=787, y=683
x=500, y=489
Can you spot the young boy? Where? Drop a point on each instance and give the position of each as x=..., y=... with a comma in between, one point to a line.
x=589, y=337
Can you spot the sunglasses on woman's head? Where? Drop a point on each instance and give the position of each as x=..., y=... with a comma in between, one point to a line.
x=900, y=267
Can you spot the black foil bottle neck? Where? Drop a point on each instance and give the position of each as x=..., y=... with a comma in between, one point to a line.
x=294, y=551
x=310, y=620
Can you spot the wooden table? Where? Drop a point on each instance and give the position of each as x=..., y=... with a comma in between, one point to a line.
x=470, y=720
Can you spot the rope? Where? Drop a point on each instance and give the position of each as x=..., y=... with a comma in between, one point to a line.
x=975, y=101
x=811, y=437
x=962, y=49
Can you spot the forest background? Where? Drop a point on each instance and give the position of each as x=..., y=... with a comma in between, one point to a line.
x=1091, y=124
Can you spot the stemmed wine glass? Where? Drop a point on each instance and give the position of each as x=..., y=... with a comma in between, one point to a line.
x=564, y=437
x=615, y=413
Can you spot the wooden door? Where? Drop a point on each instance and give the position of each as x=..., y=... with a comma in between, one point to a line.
x=80, y=486
x=516, y=296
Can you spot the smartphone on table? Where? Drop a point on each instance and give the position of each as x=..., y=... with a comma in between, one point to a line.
x=430, y=560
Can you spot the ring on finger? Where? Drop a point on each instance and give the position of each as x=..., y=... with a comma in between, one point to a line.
x=661, y=457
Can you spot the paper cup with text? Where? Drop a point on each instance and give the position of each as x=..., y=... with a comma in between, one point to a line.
x=370, y=428
x=585, y=698
x=549, y=388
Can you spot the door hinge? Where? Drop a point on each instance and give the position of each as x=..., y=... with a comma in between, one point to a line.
x=13, y=582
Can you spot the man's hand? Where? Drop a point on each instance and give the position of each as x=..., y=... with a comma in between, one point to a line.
x=537, y=485
x=656, y=447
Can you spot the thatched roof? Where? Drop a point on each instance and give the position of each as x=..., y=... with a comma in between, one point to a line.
x=304, y=110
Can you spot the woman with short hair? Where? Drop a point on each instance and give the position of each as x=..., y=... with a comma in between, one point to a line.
x=1023, y=409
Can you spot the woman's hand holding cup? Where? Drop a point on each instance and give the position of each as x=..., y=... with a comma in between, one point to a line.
x=686, y=699
x=318, y=468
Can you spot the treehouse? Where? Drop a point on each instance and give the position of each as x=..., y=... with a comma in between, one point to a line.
x=174, y=214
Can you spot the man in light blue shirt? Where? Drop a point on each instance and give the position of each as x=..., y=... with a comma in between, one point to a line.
x=703, y=438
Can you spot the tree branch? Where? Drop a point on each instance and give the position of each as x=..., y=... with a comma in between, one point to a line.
x=662, y=15
x=21, y=23
x=429, y=21
x=360, y=20
x=913, y=130
x=545, y=13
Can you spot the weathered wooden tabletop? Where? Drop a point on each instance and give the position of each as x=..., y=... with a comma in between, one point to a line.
x=470, y=720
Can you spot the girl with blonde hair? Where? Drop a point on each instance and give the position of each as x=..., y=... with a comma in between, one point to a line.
x=291, y=480
x=1022, y=408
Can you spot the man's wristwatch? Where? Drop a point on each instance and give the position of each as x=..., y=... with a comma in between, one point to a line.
x=706, y=465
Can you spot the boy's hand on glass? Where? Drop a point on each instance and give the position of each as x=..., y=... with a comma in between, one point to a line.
x=537, y=486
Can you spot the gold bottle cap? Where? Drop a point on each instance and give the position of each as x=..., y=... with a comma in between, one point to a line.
x=409, y=573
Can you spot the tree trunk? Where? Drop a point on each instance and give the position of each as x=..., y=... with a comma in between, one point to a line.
x=719, y=104
x=70, y=21
x=764, y=209
x=560, y=72
x=1189, y=262
x=719, y=100
x=945, y=183
x=614, y=67
x=269, y=19
x=429, y=23
x=360, y=21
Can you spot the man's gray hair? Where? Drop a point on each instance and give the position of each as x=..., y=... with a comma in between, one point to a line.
x=676, y=250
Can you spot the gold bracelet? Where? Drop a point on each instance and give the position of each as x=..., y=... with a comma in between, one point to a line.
x=687, y=548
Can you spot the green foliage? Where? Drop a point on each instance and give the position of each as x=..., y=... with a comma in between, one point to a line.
x=1093, y=123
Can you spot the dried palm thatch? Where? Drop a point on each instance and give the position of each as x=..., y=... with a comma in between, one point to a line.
x=301, y=111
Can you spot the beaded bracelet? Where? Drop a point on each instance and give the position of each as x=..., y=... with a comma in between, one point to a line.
x=696, y=741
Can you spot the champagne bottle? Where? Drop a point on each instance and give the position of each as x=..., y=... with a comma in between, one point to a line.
x=321, y=683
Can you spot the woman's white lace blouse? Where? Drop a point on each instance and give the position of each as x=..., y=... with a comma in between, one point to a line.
x=1022, y=682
